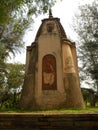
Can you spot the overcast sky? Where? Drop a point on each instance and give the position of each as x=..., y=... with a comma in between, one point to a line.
x=64, y=10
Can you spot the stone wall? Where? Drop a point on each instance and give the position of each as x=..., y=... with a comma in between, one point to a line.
x=48, y=121
x=52, y=79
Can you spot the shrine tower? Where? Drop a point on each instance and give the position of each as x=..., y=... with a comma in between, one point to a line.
x=51, y=77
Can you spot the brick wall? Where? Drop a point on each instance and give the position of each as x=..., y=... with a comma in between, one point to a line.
x=48, y=121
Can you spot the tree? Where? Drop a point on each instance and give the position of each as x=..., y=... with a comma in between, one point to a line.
x=15, y=75
x=15, y=79
x=13, y=86
x=11, y=8
x=15, y=17
x=87, y=29
x=2, y=66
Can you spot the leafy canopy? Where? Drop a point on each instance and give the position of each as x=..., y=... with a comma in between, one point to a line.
x=15, y=17
x=87, y=30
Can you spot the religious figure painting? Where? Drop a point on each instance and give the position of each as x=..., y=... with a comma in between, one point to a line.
x=49, y=81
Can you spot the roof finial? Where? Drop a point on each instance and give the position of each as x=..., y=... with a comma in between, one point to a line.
x=50, y=13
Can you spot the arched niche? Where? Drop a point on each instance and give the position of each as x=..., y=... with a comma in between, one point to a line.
x=49, y=75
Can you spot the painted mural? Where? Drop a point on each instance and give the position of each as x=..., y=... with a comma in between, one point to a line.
x=49, y=80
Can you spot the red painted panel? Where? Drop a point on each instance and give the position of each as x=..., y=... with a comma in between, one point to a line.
x=49, y=80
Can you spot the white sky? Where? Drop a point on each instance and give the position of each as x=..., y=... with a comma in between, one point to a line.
x=64, y=10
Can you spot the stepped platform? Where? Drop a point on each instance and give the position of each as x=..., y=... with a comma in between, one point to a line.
x=52, y=121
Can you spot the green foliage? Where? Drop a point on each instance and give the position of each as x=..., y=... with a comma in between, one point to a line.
x=11, y=88
x=15, y=18
x=47, y=112
x=10, y=8
x=87, y=30
x=90, y=97
x=2, y=66
x=15, y=75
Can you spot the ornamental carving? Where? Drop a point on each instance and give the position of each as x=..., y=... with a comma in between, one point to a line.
x=50, y=27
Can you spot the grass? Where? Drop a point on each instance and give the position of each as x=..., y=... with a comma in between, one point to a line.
x=61, y=111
